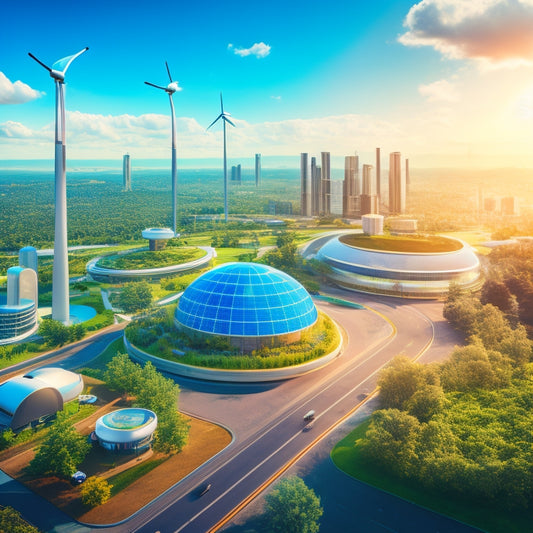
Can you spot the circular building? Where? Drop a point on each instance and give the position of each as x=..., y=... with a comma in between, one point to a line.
x=400, y=273
x=126, y=430
x=69, y=384
x=250, y=304
x=157, y=237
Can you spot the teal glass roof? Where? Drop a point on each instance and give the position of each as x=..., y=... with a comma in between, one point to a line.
x=246, y=300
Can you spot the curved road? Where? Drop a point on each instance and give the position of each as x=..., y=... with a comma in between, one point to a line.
x=266, y=419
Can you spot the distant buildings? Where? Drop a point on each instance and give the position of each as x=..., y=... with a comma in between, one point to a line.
x=279, y=208
x=396, y=185
x=305, y=186
x=257, y=170
x=126, y=173
x=321, y=196
x=236, y=173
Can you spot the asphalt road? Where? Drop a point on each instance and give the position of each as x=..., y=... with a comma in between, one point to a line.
x=266, y=419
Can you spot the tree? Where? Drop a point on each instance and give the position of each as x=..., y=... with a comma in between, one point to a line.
x=135, y=296
x=400, y=379
x=426, y=402
x=391, y=441
x=62, y=450
x=95, y=491
x=292, y=507
x=54, y=332
x=122, y=374
x=12, y=522
x=496, y=293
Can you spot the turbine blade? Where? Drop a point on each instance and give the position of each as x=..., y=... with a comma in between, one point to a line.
x=40, y=62
x=156, y=86
x=168, y=70
x=221, y=105
x=63, y=64
x=228, y=120
x=214, y=121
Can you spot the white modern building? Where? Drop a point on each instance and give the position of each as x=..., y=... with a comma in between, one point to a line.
x=129, y=430
x=126, y=173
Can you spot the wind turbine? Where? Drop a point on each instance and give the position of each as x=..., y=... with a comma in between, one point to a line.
x=60, y=289
x=224, y=116
x=170, y=89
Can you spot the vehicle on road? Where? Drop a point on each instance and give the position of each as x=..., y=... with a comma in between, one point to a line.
x=202, y=489
x=78, y=477
x=309, y=416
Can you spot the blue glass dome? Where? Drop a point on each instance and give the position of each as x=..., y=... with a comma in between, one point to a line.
x=246, y=300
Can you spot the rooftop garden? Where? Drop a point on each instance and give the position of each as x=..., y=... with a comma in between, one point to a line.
x=418, y=244
x=146, y=259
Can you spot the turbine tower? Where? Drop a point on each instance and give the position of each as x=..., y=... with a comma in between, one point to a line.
x=60, y=290
x=224, y=116
x=170, y=89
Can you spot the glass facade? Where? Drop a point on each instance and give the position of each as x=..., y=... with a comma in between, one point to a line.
x=415, y=275
x=246, y=299
x=17, y=320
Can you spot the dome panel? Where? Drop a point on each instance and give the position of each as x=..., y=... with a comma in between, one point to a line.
x=246, y=299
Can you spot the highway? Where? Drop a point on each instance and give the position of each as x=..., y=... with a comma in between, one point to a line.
x=267, y=419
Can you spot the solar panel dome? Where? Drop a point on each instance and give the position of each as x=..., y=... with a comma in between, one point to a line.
x=246, y=300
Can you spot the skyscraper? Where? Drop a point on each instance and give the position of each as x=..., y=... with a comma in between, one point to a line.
x=378, y=173
x=305, y=186
x=126, y=173
x=349, y=185
x=316, y=174
x=407, y=177
x=369, y=202
x=396, y=185
x=325, y=185
x=257, y=169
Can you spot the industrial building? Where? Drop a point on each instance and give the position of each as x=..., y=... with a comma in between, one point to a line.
x=129, y=430
x=250, y=304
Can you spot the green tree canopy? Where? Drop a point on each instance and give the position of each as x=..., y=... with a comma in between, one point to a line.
x=62, y=450
x=12, y=522
x=292, y=507
x=95, y=491
x=135, y=296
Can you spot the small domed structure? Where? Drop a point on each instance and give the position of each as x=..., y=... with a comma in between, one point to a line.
x=126, y=430
x=250, y=304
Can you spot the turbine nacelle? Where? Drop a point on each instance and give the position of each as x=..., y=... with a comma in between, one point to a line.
x=171, y=88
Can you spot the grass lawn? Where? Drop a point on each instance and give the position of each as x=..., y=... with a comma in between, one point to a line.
x=411, y=244
x=346, y=457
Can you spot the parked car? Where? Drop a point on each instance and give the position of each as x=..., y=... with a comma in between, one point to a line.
x=78, y=477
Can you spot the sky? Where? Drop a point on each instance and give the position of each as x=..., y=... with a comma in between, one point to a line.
x=448, y=83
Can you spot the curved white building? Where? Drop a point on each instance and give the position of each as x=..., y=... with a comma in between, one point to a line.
x=39, y=393
x=402, y=274
x=126, y=430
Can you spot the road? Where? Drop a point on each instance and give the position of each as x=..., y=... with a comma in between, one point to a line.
x=266, y=419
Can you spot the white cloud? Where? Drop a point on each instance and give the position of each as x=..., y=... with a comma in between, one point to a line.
x=258, y=50
x=496, y=32
x=276, y=97
x=15, y=130
x=439, y=91
x=16, y=92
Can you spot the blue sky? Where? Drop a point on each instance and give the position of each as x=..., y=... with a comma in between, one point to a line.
x=432, y=79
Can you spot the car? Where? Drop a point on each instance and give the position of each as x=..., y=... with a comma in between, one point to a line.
x=309, y=416
x=202, y=489
x=78, y=477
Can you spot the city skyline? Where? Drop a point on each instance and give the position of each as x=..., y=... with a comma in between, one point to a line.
x=453, y=82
